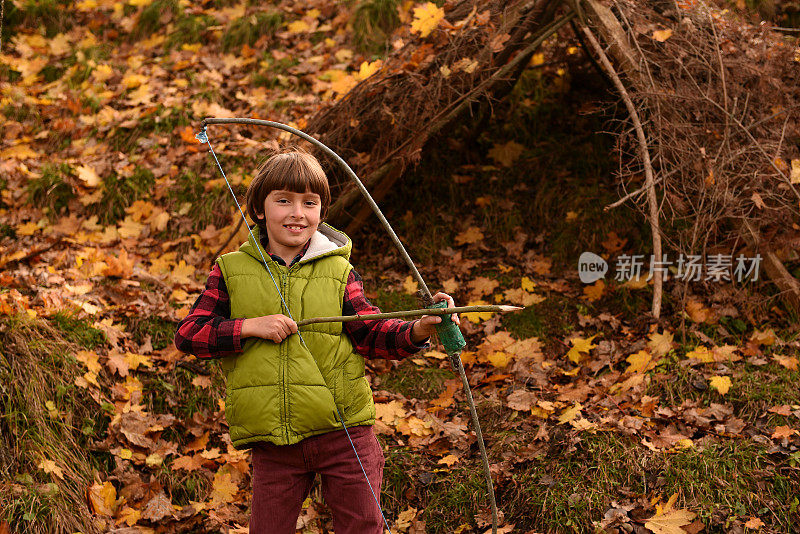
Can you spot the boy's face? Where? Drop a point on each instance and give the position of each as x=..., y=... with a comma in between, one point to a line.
x=291, y=219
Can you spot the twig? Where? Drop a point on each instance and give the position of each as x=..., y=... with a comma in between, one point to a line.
x=648, y=166
x=409, y=313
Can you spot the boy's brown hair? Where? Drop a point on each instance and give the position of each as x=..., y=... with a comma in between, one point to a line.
x=291, y=169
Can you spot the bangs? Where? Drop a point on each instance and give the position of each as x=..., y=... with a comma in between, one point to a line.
x=294, y=170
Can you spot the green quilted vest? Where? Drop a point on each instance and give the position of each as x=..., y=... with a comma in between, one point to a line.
x=285, y=392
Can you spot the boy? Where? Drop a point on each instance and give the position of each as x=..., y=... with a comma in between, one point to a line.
x=285, y=395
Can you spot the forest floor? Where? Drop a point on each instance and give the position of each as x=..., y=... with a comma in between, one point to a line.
x=595, y=417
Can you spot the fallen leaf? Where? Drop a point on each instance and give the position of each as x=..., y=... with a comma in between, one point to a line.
x=471, y=235
x=49, y=466
x=102, y=498
x=426, y=19
x=783, y=432
x=579, y=347
x=507, y=153
x=670, y=522
x=662, y=35
x=720, y=383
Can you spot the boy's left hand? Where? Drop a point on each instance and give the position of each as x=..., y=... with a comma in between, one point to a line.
x=426, y=325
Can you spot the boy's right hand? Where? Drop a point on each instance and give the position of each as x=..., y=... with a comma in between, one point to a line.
x=272, y=327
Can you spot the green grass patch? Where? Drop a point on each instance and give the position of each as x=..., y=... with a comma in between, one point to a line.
x=44, y=417
x=373, y=21
x=174, y=393
x=51, y=190
x=154, y=16
x=189, y=29
x=160, y=331
x=52, y=15
x=389, y=301
x=120, y=192
x=78, y=330
x=550, y=319
x=189, y=197
x=414, y=381
x=250, y=28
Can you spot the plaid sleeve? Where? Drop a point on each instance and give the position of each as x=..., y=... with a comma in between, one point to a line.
x=208, y=331
x=382, y=338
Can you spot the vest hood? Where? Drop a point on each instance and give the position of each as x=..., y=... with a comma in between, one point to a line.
x=326, y=241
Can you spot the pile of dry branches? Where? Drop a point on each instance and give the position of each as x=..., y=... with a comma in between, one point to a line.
x=720, y=107
x=427, y=84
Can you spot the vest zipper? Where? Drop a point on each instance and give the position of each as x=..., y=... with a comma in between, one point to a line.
x=285, y=290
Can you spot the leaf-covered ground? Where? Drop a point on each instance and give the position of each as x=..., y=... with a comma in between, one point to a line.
x=595, y=418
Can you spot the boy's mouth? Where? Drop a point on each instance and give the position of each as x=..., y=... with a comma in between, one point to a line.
x=294, y=227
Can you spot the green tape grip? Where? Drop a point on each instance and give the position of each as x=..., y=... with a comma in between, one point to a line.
x=449, y=333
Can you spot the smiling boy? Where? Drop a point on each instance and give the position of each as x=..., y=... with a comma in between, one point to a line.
x=286, y=396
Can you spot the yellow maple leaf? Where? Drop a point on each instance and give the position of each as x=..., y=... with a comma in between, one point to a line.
x=223, y=489
x=368, y=69
x=477, y=317
x=570, y=413
x=450, y=285
x=298, y=26
x=640, y=362
x=537, y=59
x=129, y=516
x=528, y=284
x=499, y=359
x=426, y=19
x=701, y=353
x=471, y=235
x=594, y=291
x=182, y=273
x=580, y=345
x=507, y=153
x=390, y=412
x=135, y=360
x=720, y=383
x=521, y=297
x=482, y=286
x=410, y=285
x=790, y=362
x=415, y=426
x=89, y=359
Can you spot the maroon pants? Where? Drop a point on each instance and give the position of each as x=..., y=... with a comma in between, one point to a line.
x=283, y=475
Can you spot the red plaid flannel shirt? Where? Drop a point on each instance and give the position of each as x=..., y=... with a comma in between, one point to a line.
x=209, y=332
